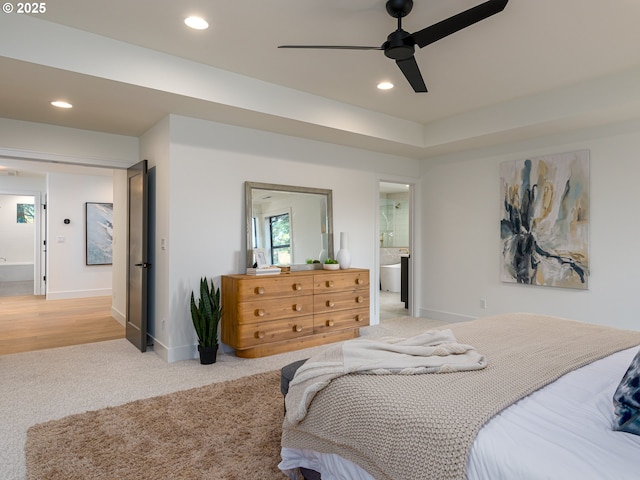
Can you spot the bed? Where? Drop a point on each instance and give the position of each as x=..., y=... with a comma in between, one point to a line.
x=552, y=418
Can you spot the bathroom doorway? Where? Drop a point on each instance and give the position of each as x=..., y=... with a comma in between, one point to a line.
x=395, y=249
x=20, y=225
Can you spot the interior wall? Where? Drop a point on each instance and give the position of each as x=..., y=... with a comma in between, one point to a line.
x=461, y=208
x=205, y=227
x=155, y=148
x=68, y=276
x=49, y=142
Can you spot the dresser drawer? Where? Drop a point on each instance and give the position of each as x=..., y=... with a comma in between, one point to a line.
x=249, y=335
x=328, y=282
x=327, y=322
x=329, y=302
x=274, y=309
x=248, y=289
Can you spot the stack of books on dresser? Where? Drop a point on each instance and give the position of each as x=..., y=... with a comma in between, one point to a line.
x=270, y=270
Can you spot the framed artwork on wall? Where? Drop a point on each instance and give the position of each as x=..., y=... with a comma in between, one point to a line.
x=544, y=229
x=99, y=233
x=25, y=213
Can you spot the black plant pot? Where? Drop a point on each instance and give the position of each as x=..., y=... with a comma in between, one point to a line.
x=208, y=354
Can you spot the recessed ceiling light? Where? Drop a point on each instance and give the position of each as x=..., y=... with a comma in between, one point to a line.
x=385, y=85
x=197, y=23
x=61, y=104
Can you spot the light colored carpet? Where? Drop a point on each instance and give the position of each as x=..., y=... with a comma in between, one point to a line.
x=52, y=384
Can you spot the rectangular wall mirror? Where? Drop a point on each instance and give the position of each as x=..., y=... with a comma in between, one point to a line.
x=292, y=224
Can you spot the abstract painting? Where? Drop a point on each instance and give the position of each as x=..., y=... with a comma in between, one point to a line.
x=99, y=230
x=544, y=228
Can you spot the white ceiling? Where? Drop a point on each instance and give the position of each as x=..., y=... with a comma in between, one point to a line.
x=537, y=68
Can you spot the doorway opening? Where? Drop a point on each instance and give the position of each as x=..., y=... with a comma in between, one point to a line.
x=20, y=238
x=395, y=249
x=22, y=327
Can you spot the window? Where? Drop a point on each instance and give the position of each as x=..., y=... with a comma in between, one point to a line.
x=280, y=235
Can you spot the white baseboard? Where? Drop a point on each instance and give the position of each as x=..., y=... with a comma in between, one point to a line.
x=444, y=316
x=119, y=316
x=170, y=355
x=104, y=292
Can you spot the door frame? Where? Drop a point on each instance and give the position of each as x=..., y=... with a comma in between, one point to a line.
x=40, y=226
x=413, y=228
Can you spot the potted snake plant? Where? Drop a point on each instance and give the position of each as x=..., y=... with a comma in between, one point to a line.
x=206, y=315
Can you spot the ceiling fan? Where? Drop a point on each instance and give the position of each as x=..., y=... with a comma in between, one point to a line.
x=400, y=45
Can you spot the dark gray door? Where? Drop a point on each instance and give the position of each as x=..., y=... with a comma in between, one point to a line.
x=137, y=261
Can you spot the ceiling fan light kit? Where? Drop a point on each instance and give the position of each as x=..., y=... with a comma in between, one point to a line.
x=400, y=45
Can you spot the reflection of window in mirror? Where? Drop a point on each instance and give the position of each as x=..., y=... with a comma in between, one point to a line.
x=280, y=236
x=254, y=232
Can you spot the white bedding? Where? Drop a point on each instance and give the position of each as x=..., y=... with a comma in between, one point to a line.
x=562, y=431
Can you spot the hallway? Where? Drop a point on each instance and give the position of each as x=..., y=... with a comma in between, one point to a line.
x=31, y=323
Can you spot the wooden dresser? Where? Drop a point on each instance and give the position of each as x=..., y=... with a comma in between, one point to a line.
x=269, y=314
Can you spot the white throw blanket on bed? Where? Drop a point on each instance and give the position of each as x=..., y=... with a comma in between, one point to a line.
x=429, y=352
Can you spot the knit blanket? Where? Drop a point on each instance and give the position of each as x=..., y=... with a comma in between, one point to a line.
x=420, y=427
x=430, y=352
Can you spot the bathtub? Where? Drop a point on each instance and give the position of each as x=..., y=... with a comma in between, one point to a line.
x=16, y=272
x=390, y=277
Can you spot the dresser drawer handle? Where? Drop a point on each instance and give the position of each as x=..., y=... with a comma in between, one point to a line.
x=297, y=307
x=359, y=281
x=360, y=318
x=330, y=323
x=297, y=328
x=260, y=290
x=330, y=304
x=360, y=299
x=260, y=312
x=329, y=283
x=259, y=334
x=297, y=286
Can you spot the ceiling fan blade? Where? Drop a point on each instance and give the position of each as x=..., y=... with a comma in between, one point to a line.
x=331, y=47
x=410, y=68
x=458, y=22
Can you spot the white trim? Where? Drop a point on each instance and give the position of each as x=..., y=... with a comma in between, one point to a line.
x=118, y=315
x=65, y=159
x=414, y=256
x=444, y=316
x=105, y=292
x=170, y=355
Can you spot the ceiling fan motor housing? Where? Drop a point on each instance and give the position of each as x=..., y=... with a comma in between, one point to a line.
x=399, y=45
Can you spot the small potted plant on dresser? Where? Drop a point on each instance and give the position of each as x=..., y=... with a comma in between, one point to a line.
x=331, y=264
x=206, y=316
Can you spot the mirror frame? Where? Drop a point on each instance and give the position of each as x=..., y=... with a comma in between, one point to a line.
x=250, y=186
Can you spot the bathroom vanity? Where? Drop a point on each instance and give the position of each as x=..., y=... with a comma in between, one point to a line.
x=404, y=280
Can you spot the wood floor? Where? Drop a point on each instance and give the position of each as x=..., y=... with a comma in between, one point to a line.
x=32, y=323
